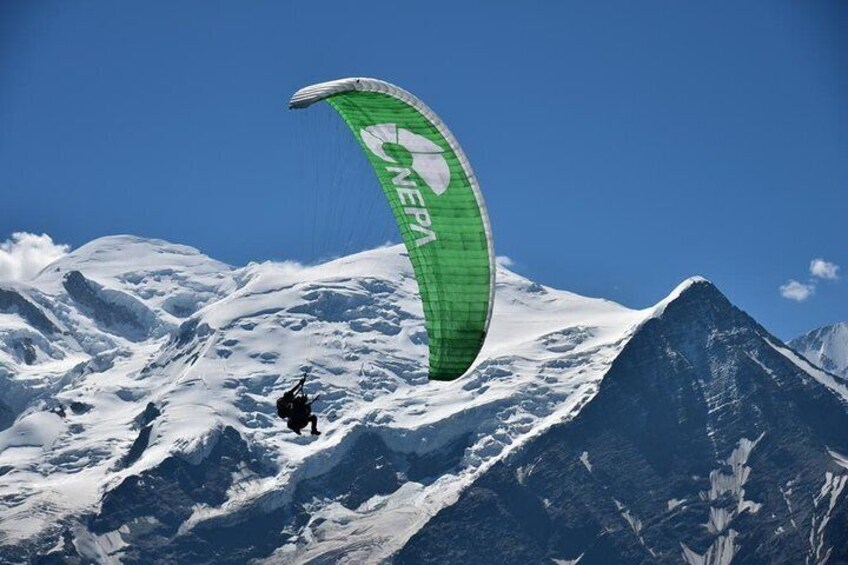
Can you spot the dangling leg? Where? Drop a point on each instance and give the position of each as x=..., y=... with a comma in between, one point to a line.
x=293, y=426
x=314, y=420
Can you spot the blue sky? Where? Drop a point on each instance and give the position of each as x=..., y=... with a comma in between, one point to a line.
x=621, y=147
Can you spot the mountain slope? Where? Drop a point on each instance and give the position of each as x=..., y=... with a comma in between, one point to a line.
x=827, y=347
x=142, y=428
x=150, y=399
x=706, y=443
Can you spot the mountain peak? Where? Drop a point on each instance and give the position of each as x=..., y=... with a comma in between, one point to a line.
x=693, y=285
x=693, y=290
x=117, y=256
x=692, y=281
x=827, y=347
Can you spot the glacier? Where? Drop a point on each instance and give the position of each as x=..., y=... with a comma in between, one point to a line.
x=138, y=380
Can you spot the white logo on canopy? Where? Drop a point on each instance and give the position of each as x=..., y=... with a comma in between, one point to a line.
x=427, y=159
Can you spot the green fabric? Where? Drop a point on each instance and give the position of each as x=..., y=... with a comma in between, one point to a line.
x=439, y=219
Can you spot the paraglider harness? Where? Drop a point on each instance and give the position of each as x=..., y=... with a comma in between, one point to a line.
x=295, y=407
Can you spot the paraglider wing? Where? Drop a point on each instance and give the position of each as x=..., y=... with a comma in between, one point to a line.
x=438, y=206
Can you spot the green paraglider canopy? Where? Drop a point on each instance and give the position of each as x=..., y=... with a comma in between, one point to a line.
x=438, y=206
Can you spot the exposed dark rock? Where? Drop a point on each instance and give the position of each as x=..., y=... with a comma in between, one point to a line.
x=80, y=407
x=7, y=416
x=150, y=413
x=138, y=447
x=116, y=312
x=12, y=302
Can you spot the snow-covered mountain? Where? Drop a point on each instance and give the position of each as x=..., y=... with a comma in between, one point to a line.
x=138, y=381
x=827, y=347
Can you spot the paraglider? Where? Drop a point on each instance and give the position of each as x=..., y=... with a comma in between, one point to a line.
x=437, y=204
x=296, y=408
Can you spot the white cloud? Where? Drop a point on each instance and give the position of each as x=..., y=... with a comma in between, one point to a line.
x=794, y=290
x=824, y=269
x=504, y=261
x=23, y=255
